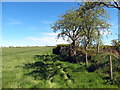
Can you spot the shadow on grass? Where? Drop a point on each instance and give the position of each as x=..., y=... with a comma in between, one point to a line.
x=70, y=59
x=46, y=66
x=95, y=66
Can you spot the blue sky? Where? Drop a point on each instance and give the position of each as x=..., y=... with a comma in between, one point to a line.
x=28, y=23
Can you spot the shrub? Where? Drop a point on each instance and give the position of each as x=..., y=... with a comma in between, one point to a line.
x=116, y=44
x=97, y=61
x=62, y=49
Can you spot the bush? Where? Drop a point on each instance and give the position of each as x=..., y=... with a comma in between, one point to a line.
x=97, y=61
x=62, y=49
x=116, y=44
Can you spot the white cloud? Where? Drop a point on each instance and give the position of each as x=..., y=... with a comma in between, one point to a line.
x=47, y=22
x=14, y=23
x=115, y=26
x=50, y=34
x=35, y=41
x=46, y=40
x=33, y=28
x=106, y=43
x=105, y=32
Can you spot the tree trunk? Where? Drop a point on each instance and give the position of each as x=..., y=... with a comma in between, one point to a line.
x=98, y=48
x=73, y=48
x=86, y=47
x=98, y=42
x=111, y=72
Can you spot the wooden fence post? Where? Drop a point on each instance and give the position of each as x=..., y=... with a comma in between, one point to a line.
x=111, y=72
x=86, y=58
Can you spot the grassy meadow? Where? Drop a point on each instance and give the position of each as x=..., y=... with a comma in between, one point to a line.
x=37, y=67
x=13, y=60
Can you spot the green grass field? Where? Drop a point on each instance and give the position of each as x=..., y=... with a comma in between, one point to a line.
x=20, y=70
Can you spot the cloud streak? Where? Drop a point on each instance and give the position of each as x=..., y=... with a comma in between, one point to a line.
x=46, y=40
x=14, y=23
x=105, y=32
x=50, y=34
x=47, y=22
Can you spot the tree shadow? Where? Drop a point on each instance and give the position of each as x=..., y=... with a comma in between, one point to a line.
x=80, y=57
x=95, y=66
x=40, y=69
x=47, y=66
